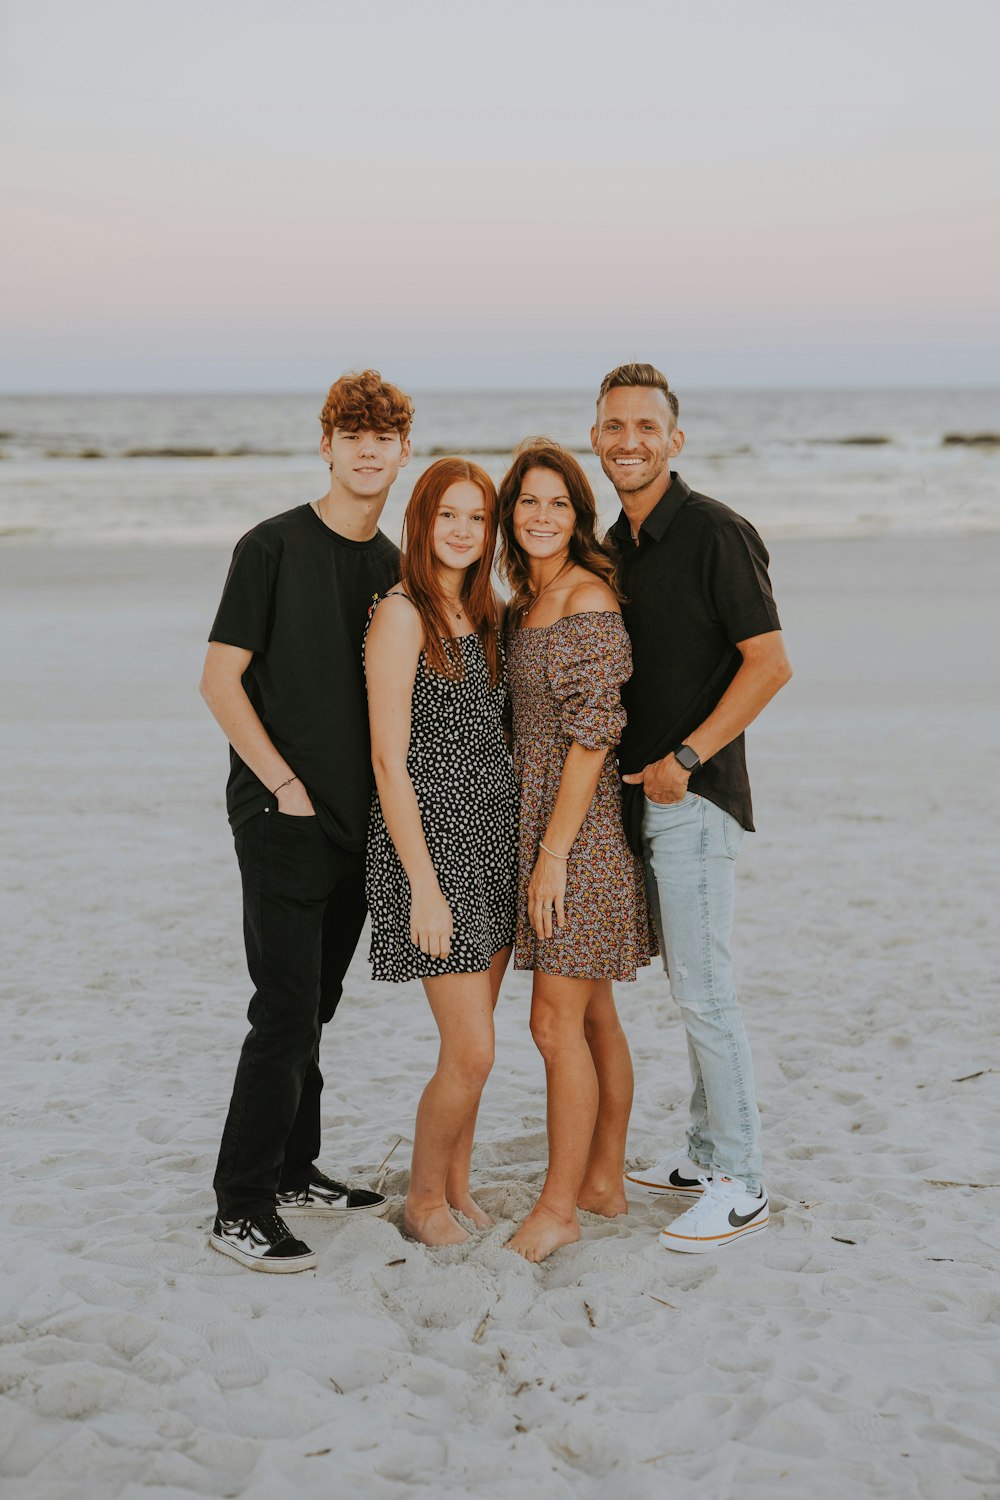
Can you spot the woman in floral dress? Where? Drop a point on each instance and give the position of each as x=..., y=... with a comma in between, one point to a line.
x=582, y=917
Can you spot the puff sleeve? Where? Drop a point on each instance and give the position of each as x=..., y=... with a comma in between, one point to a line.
x=589, y=659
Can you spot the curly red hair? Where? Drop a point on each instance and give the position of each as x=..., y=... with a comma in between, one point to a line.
x=364, y=402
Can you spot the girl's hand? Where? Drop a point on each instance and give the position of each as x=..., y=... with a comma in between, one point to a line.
x=431, y=925
x=547, y=895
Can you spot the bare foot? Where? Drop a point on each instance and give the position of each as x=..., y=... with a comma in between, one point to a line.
x=467, y=1205
x=609, y=1201
x=434, y=1227
x=541, y=1233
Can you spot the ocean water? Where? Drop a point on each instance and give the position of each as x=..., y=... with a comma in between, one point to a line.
x=108, y=470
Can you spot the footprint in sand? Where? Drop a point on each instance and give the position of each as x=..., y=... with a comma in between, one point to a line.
x=235, y=1362
x=99, y=1292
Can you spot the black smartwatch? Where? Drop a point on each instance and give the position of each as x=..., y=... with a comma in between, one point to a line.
x=689, y=759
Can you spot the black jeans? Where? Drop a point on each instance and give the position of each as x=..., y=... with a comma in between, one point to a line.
x=303, y=911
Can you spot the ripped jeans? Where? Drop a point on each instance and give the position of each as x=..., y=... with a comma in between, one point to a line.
x=690, y=850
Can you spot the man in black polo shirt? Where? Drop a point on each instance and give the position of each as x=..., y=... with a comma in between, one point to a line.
x=283, y=677
x=708, y=655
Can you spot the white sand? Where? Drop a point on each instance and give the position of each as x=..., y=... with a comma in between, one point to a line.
x=853, y=1350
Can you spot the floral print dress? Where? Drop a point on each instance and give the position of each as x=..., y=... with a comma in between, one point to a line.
x=565, y=682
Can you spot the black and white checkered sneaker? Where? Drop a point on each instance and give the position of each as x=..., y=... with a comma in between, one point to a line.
x=324, y=1198
x=263, y=1243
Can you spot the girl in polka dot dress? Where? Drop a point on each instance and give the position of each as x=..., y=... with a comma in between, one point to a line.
x=442, y=859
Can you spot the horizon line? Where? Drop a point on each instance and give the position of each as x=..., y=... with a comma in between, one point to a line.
x=501, y=390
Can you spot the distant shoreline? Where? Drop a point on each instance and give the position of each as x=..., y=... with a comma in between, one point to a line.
x=103, y=470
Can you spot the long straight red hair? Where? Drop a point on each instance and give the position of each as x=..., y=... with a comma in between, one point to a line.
x=420, y=569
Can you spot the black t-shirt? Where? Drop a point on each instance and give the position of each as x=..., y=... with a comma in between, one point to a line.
x=696, y=584
x=298, y=596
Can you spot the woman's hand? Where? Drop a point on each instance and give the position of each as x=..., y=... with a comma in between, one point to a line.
x=431, y=924
x=547, y=895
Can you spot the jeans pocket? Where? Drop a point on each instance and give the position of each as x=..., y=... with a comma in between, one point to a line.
x=732, y=833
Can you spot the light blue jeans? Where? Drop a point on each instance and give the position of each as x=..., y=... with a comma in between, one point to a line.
x=690, y=852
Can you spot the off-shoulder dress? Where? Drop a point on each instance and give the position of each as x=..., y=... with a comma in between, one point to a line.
x=565, y=682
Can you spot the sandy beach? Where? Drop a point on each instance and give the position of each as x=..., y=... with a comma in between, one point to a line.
x=853, y=1350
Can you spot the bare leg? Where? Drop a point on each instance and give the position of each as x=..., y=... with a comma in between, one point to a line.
x=558, y=1007
x=601, y=1191
x=462, y=1005
x=457, y=1182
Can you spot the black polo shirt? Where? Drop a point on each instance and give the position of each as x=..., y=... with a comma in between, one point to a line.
x=695, y=585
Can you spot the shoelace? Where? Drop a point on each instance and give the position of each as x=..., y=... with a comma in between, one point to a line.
x=714, y=1190
x=269, y=1227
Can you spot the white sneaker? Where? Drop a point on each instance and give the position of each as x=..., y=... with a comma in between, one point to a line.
x=724, y=1214
x=676, y=1173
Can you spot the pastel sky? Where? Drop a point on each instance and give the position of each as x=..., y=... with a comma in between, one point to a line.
x=216, y=195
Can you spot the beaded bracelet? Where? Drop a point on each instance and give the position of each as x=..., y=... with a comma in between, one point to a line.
x=553, y=852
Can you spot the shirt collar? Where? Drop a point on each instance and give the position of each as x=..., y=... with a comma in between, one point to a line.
x=658, y=521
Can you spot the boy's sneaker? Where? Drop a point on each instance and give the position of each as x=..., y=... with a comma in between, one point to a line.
x=323, y=1198
x=262, y=1242
x=724, y=1214
x=674, y=1174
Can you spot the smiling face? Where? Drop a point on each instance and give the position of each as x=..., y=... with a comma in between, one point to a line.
x=460, y=526
x=543, y=518
x=635, y=439
x=364, y=464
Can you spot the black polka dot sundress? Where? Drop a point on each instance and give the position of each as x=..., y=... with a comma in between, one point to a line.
x=460, y=766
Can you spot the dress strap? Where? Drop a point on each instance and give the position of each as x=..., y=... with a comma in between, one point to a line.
x=377, y=600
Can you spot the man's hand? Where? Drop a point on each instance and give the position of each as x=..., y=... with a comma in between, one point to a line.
x=222, y=689
x=662, y=780
x=294, y=801
x=764, y=669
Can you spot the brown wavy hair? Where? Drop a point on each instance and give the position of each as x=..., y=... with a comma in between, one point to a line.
x=364, y=402
x=584, y=548
x=419, y=574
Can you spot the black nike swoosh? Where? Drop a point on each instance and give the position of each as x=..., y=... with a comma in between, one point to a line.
x=676, y=1180
x=738, y=1220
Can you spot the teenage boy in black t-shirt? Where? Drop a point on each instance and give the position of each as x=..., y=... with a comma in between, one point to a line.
x=708, y=655
x=283, y=678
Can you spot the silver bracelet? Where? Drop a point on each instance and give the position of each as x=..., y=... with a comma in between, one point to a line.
x=553, y=852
